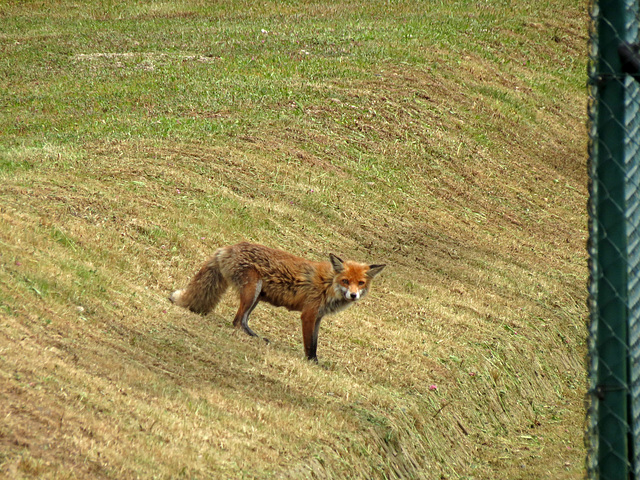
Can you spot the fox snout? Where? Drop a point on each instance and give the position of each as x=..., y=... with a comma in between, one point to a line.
x=352, y=294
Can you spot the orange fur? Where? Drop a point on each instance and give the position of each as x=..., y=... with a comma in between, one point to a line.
x=265, y=274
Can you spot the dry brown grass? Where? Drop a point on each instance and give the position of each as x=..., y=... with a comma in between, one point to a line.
x=467, y=359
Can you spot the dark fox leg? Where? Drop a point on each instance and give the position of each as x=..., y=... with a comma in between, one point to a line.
x=249, y=298
x=310, y=329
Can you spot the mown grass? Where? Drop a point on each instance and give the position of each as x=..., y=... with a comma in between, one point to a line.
x=445, y=139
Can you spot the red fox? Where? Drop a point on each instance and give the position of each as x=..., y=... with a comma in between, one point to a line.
x=281, y=279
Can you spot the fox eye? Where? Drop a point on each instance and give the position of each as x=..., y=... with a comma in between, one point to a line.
x=345, y=282
x=360, y=283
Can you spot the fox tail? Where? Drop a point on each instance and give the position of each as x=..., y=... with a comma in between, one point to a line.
x=205, y=289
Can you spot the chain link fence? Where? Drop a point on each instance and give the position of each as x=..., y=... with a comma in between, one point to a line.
x=613, y=437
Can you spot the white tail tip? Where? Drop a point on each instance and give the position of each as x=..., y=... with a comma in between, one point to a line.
x=175, y=296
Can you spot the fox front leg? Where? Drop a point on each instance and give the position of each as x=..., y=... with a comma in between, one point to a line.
x=310, y=328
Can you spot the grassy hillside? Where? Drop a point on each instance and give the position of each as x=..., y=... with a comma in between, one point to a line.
x=445, y=139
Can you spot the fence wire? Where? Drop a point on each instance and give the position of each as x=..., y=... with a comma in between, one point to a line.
x=613, y=437
x=633, y=258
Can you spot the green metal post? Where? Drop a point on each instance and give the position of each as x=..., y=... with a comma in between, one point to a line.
x=610, y=262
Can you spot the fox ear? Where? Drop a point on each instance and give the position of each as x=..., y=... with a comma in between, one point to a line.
x=336, y=263
x=374, y=270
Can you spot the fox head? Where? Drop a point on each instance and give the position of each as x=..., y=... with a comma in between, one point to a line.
x=352, y=280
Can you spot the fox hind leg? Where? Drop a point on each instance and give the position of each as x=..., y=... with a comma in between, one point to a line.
x=249, y=298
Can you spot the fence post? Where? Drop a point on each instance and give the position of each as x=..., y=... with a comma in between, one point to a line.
x=610, y=364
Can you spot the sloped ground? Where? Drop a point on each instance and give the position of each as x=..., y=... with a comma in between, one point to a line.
x=447, y=142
